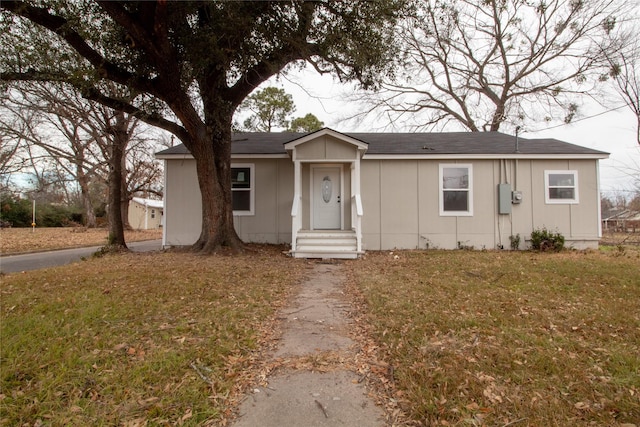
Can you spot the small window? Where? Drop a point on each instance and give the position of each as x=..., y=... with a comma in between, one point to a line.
x=153, y=213
x=242, y=189
x=456, y=190
x=561, y=187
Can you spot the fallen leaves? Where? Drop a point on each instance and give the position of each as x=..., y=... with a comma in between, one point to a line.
x=507, y=338
x=124, y=356
x=19, y=240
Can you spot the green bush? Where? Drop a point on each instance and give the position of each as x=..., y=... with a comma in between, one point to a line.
x=544, y=240
x=15, y=211
x=18, y=212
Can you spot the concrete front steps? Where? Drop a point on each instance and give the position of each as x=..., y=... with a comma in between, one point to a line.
x=326, y=244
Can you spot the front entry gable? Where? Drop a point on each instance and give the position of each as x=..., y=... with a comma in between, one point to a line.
x=326, y=145
x=323, y=195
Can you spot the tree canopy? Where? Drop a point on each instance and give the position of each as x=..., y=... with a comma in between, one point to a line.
x=478, y=65
x=195, y=61
x=270, y=108
x=308, y=123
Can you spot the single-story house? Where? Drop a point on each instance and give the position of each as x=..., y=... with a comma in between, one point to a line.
x=332, y=194
x=625, y=221
x=145, y=214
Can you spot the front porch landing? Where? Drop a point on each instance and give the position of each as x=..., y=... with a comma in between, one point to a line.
x=340, y=244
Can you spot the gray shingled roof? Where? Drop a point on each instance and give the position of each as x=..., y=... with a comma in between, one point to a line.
x=455, y=143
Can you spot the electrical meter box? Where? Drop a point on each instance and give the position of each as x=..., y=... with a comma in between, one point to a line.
x=504, y=199
x=516, y=197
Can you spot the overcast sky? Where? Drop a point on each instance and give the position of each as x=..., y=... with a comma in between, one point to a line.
x=612, y=132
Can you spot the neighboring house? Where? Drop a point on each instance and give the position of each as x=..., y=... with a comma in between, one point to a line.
x=626, y=221
x=145, y=214
x=330, y=194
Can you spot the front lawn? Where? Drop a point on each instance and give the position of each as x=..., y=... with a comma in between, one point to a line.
x=136, y=339
x=508, y=338
x=466, y=338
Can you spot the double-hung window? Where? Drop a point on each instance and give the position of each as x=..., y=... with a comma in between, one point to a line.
x=456, y=190
x=561, y=187
x=243, y=189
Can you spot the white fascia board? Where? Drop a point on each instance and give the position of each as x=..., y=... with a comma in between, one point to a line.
x=186, y=156
x=484, y=156
x=233, y=156
x=260, y=156
x=415, y=156
x=327, y=161
x=326, y=131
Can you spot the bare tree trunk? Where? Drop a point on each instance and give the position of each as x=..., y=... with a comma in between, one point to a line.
x=214, y=179
x=124, y=201
x=87, y=205
x=120, y=140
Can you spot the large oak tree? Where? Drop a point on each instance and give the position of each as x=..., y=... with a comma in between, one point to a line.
x=197, y=61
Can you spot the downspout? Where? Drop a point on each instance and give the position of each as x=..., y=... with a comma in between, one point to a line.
x=515, y=161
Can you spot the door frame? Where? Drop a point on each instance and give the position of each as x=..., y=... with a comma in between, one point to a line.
x=312, y=191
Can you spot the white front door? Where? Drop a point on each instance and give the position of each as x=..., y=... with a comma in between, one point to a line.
x=326, y=193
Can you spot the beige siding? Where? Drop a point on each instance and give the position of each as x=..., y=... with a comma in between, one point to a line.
x=400, y=202
x=326, y=147
x=401, y=205
x=137, y=219
x=271, y=222
x=183, y=212
x=578, y=223
x=406, y=195
x=435, y=231
x=371, y=204
x=306, y=196
x=478, y=230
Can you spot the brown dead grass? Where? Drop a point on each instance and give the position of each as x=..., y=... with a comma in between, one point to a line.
x=455, y=338
x=21, y=240
x=615, y=239
x=137, y=339
x=507, y=338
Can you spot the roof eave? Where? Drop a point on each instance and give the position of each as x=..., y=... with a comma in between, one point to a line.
x=514, y=156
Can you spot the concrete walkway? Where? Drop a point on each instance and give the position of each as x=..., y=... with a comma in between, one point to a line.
x=315, y=389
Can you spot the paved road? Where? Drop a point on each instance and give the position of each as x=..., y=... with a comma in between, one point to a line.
x=38, y=260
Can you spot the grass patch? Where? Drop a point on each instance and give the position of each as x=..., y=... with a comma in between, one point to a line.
x=132, y=339
x=20, y=240
x=492, y=338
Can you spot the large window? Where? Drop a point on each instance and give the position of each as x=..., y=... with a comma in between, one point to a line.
x=456, y=186
x=561, y=186
x=242, y=189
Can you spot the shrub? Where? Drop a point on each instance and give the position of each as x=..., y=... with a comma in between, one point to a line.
x=515, y=242
x=15, y=210
x=18, y=212
x=544, y=240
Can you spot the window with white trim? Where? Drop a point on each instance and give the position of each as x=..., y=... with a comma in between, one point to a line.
x=456, y=190
x=242, y=189
x=561, y=186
